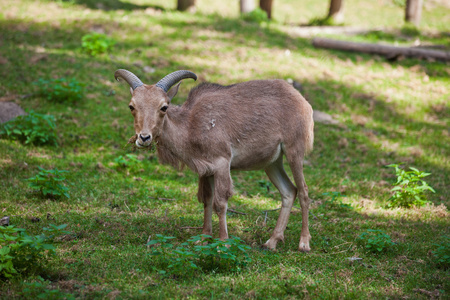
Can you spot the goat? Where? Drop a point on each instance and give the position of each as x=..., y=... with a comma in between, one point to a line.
x=244, y=126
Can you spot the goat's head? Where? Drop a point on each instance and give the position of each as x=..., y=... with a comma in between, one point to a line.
x=149, y=103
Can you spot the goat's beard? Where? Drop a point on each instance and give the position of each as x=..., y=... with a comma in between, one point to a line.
x=143, y=146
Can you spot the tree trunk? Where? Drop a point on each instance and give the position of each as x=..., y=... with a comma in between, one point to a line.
x=246, y=6
x=390, y=52
x=336, y=11
x=184, y=5
x=413, y=11
x=266, y=5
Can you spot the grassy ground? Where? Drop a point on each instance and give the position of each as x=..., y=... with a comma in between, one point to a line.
x=388, y=112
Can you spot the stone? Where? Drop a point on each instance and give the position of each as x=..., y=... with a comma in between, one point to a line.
x=10, y=110
x=321, y=117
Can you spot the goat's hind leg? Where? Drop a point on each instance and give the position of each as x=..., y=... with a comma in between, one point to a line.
x=279, y=178
x=296, y=163
x=205, y=196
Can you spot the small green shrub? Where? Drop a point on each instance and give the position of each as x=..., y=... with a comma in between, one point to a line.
x=442, y=252
x=32, y=128
x=210, y=255
x=256, y=16
x=50, y=182
x=96, y=43
x=129, y=160
x=21, y=253
x=60, y=90
x=38, y=289
x=374, y=240
x=409, y=189
x=327, y=21
x=228, y=255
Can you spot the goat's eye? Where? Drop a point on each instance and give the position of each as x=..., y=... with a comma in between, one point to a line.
x=164, y=108
x=131, y=107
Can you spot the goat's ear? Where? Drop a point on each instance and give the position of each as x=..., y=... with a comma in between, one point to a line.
x=173, y=91
x=131, y=91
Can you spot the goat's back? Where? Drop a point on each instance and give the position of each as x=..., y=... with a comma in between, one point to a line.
x=253, y=114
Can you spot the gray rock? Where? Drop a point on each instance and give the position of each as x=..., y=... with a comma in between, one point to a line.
x=321, y=117
x=4, y=221
x=10, y=110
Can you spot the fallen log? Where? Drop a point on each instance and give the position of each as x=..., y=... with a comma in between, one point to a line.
x=385, y=50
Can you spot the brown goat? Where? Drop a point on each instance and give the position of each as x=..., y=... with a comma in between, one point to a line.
x=245, y=126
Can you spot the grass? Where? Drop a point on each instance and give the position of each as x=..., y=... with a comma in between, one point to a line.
x=388, y=112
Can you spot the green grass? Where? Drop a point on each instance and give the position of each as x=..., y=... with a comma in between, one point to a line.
x=387, y=112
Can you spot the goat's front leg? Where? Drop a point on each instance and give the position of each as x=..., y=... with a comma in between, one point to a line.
x=205, y=196
x=223, y=190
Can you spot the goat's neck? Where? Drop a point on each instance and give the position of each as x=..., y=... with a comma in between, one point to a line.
x=173, y=134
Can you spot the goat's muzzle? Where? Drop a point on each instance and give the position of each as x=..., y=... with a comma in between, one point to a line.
x=144, y=140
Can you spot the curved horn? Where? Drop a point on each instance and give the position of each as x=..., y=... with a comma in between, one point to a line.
x=129, y=77
x=169, y=80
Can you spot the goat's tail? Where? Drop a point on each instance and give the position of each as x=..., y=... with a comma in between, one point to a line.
x=309, y=135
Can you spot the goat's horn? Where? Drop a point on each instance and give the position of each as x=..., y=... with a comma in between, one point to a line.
x=129, y=77
x=169, y=80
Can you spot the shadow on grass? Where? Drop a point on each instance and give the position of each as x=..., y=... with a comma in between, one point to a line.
x=112, y=5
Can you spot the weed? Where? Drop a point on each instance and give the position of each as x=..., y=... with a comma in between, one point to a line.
x=256, y=16
x=336, y=200
x=54, y=231
x=39, y=290
x=442, y=253
x=32, y=128
x=213, y=255
x=228, y=255
x=375, y=240
x=410, y=188
x=50, y=182
x=21, y=253
x=327, y=21
x=128, y=160
x=96, y=43
x=60, y=90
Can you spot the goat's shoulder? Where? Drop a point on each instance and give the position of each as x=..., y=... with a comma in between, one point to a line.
x=203, y=89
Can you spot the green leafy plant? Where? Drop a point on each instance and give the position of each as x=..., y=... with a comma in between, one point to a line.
x=54, y=231
x=38, y=289
x=50, y=182
x=337, y=201
x=60, y=90
x=442, y=252
x=32, y=128
x=200, y=252
x=215, y=254
x=375, y=240
x=257, y=16
x=96, y=43
x=21, y=253
x=128, y=160
x=409, y=189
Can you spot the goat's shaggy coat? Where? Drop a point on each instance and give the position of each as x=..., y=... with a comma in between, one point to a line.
x=244, y=126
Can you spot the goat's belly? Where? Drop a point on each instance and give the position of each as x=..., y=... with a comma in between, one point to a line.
x=254, y=158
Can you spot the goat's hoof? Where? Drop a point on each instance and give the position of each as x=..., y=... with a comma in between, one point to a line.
x=269, y=246
x=304, y=248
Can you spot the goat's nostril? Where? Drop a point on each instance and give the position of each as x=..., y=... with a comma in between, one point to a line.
x=145, y=138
